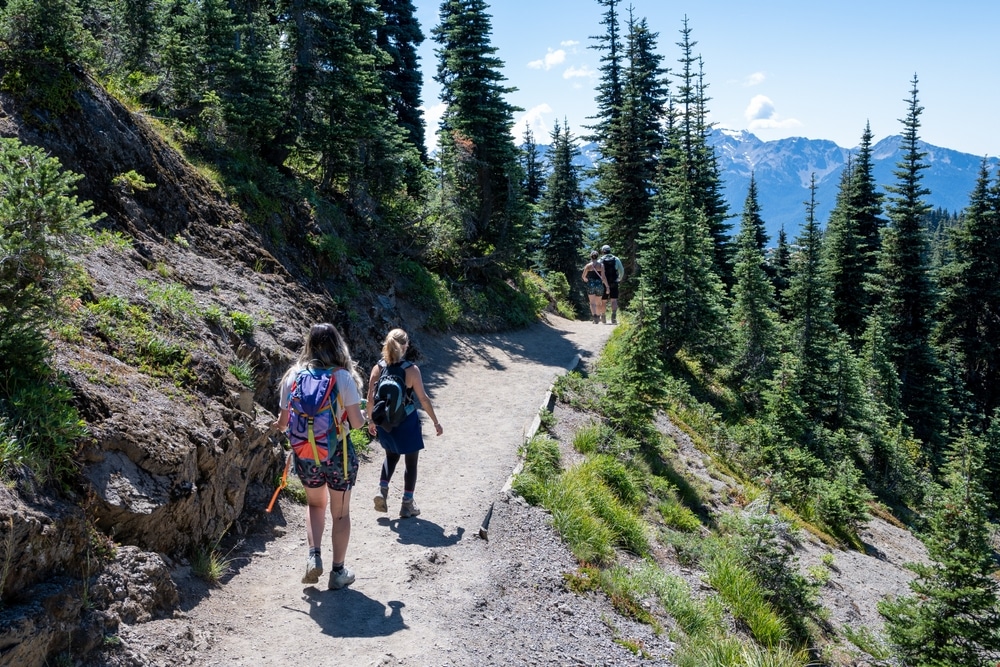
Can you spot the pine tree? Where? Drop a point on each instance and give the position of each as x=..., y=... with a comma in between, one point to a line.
x=753, y=317
x=678, y=282
x=630, y=143
x=865, y=204
x=844, y=262
x=400, y=37
x=779, y=265
x=692, y=134
x=969, y=314
x=907, y=294
x=533, y=167
x=562, y=209
x=811, y=329
x=952, y=619
x=480, y=175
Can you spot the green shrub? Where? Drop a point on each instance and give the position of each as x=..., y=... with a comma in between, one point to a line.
x=242, y=323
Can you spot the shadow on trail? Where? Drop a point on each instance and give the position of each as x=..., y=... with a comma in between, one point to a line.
x=422, y=532
x=541, y=343
x=351, y=613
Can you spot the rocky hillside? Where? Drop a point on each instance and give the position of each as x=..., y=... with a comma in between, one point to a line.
x=178, y=297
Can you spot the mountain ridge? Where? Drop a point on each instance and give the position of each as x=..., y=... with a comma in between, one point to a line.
x=783, y=169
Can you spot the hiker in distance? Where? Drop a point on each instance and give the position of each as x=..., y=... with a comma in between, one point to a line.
x=319, y=404
x=597, y=285
x=613, y=273
x=392, y=387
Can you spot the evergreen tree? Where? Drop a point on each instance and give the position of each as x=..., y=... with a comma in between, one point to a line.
x=864, y=202
x=969, y=315
x=480, y=175
x=751, y=222
x=630, y=146
x=562, y=212
x=812, y=331
x=256, y=81
x=753, y=317
x=400, y=37
x=779, y=265
x=532, y=166
x=677, y=277
x=609, y=86
x=953, y=618
x=844, y=262
x=907, y=294
x=692, y=134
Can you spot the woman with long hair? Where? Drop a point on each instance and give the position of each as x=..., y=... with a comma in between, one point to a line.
x=328, y=477
x=405, y=440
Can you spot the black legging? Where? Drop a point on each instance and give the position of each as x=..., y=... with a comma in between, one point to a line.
x=409, y=475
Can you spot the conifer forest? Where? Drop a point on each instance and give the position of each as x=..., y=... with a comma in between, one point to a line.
x=854, y=366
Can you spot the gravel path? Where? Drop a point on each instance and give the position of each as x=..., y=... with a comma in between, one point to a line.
x=429, y=590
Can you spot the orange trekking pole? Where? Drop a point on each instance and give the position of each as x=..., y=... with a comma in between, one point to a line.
x=284, y=481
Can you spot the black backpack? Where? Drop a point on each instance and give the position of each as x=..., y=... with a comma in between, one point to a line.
x=391, y=402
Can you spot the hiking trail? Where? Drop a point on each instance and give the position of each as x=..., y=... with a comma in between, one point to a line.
x=419, y=580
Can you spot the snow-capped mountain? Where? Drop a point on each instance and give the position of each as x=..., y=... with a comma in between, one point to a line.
x=783, y=170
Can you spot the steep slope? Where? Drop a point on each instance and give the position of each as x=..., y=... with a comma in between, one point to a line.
x=181, y=292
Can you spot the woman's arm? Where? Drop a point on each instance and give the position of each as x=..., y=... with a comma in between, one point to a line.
x=583, y=274
x=372, y=379
x=282, y=422
x=416, y=382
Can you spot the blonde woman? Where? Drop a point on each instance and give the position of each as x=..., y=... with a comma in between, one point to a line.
x=405, y=440
x=597, y=285
x=325, y=358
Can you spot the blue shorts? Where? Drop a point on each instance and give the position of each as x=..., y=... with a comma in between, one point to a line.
x=595, y=287
x=329, y=472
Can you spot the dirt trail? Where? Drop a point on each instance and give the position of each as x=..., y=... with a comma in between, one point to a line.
x=413, y=575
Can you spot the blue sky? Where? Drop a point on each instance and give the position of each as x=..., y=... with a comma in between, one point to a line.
x=778, y=69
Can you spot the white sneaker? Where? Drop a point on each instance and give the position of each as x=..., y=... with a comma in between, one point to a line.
x=340, y=579
x=314, y=568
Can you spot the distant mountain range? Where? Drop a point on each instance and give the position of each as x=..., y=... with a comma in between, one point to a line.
x=783, y=169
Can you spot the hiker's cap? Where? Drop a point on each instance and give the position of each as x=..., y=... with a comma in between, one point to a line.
x=606, y=248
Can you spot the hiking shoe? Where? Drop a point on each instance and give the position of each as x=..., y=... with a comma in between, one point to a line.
x=380, y=505
x=340, y=579
x=614, y=320
x=408, y=509
x=314, y=568
x=604, y=319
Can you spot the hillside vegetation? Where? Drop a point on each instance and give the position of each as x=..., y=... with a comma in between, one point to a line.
x=185, y=186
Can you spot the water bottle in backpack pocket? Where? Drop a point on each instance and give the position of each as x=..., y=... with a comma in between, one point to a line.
x=312, y=421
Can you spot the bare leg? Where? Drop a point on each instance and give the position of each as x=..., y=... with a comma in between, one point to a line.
x=340, y=530
x=315, y=514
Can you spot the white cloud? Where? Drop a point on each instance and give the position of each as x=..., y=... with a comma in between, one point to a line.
x=754, y=79
x=582, y=72
x=432, y=118
x=569, y=43
x=534, y=118
x=551, y=59
x=761, y=115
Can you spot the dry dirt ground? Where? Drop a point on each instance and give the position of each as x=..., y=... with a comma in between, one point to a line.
x=430, y=591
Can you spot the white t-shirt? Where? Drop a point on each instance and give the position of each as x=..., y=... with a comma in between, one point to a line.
x=346, y=385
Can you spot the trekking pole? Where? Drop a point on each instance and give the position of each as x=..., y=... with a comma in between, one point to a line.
x=284, y=482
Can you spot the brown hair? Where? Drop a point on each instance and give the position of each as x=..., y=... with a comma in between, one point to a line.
x=325, y=348
x=593, y=254
x=392, y=346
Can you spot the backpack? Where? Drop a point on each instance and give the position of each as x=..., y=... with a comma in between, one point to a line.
x=610, y=268
x=391, y=404
x=312, y=419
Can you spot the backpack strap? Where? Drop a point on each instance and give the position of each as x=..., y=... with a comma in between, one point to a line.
x=311, y=418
